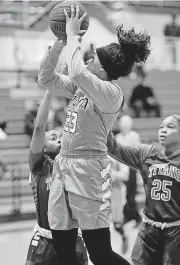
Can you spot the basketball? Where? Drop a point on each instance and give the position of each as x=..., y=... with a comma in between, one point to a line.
x=57, y=18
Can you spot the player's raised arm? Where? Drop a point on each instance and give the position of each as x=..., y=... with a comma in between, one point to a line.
x=38, y=139
x=49, y=77
x=108, y=63
x=132, y=155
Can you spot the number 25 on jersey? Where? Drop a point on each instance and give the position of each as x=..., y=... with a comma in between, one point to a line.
x=161, y=190
x=71, y=122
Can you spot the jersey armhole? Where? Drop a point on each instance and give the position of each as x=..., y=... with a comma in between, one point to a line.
x=32, y=178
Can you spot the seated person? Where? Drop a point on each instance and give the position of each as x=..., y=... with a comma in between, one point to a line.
x=143, y=99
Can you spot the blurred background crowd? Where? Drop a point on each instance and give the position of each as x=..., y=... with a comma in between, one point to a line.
x=151, y=92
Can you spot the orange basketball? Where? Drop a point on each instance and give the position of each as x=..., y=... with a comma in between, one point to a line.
x=57, y=18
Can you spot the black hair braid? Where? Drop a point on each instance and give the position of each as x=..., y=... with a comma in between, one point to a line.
x=116, y=53
x=135, y=46
x=120, y=57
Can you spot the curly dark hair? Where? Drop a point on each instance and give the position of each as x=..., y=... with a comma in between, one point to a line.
x=133, y=47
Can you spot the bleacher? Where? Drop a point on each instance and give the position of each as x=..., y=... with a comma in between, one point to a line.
x=14, y=150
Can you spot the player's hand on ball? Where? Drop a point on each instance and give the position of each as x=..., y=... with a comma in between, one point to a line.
x=73, y=23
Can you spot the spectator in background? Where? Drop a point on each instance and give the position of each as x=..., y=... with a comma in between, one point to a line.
x=123, y=203
x=128, y=136
x=88, y=54
x=143, y=99
x=172, y=29
x=30, y=117
x=171, y=33
x=3, y=169
x=3, y=125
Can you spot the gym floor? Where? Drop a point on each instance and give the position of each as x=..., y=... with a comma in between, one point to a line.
x=15, y=238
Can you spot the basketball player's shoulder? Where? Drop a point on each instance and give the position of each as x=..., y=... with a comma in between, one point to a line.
x=42, y=166
x=145, y=150
x=153, y=151
x=116, y=92
x=37, y=161
x=116, y=86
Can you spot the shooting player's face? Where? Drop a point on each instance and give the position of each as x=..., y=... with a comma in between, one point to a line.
x=94, y=65
x=53, y=141
x=169, y=132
